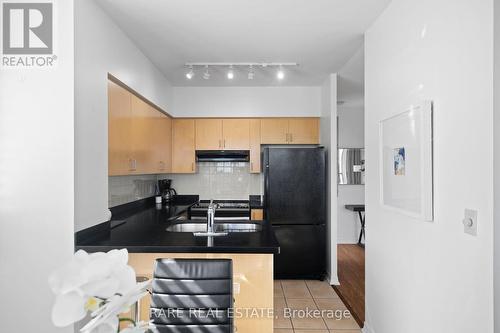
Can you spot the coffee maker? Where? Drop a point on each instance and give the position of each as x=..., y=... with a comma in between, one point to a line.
x=166, y=192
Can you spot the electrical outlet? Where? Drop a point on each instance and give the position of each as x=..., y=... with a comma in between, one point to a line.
x=470, y=222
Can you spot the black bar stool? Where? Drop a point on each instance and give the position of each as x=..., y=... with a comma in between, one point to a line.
x=192, y=296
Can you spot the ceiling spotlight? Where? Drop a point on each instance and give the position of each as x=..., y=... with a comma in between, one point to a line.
x=280, y=74
x=190, y=74
x=251, y=73
x=206, y=75
x=230, y=73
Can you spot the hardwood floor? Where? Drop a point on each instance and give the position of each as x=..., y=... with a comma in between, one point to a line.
x=351, y=272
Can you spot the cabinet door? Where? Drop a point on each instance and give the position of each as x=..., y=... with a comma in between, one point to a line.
x=208, y=134
x=165, y=144
x=274, y=130
x=303, y=131
x=255, y=146
x=236, y=134
x=183, y=146
x=162, y=143
x=119, y=130
x=143, y=137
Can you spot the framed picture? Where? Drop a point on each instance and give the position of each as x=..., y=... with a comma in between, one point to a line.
x=406, y=162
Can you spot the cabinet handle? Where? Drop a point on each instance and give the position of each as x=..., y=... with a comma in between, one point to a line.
x=224, y=143
x=291, y=137
x=287, y=138
x=192, y=166
x=130, y=165
x=251, y=166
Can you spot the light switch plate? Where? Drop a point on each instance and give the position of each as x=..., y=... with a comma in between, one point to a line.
x=236, y=288
x=470, y=222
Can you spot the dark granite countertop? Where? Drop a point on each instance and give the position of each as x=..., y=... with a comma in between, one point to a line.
x=143, y=229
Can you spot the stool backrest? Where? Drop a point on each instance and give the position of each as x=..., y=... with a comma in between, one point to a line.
x=192, y=296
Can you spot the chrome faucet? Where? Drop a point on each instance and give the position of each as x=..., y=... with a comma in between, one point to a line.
x=211, y=216
x=210, y=223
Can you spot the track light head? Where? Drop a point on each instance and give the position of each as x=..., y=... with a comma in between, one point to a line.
x=251, y=73
x=280, y=74
x=190, y=74
x=230, y=73
x=206, y=75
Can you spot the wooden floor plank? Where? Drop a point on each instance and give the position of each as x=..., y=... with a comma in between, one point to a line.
x=351, y=273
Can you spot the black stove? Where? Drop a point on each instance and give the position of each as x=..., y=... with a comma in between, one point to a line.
x=226, y=210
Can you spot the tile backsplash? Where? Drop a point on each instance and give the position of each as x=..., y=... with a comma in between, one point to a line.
x=124, y=189
x=219, y=180
x=214, y=180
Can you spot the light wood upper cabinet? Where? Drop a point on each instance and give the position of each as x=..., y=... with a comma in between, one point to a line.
x=183, y=146
x=163, y=143
x=143, y=137
x=255, y=146
x=166, y=149
x=119, y=129
x=303, y=131
x=274, y=131
x=290, y=130
x=208, y=134
x=236, y=134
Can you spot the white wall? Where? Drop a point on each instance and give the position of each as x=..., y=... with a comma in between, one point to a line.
x=421, y=276
x=247, y=101
x=328, y=138
x=36, y=182
x=102, y=48
x=496, y=154
x=351, y=118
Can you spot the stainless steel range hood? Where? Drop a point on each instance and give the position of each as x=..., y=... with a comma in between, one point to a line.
x=222, y=155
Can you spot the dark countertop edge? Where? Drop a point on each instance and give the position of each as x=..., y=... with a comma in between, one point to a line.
x=98, y=230
x=145, y=203
x=181, y=249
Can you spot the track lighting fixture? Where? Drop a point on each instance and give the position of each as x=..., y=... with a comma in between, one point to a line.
x=251, y=73
x=230, y=73
x=206, y=75
x=190, y=74
x=280, y=74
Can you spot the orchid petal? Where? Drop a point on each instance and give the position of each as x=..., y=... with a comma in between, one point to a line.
x=101, y=288
x=68, y=309
x=126, y=277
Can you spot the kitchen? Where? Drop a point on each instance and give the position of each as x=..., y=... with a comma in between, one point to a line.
x=256, y=138
x=153, y=165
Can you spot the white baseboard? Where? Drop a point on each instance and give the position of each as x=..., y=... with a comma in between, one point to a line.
x=367, y=328
x=334, y=281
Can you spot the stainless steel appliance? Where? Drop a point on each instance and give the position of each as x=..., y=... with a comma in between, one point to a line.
x=295, y=205
x=226, y=210
x=166, y=191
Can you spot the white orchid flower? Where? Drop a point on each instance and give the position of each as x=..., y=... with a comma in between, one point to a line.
x=110, y=325
x=115, y=305
x=86, y=281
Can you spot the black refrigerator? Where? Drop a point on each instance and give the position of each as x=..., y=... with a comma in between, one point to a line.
x=295, y=205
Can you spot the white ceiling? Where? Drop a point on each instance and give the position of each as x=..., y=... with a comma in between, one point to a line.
x=321, y=35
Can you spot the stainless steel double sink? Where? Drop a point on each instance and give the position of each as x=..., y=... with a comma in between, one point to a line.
x=219, y=227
